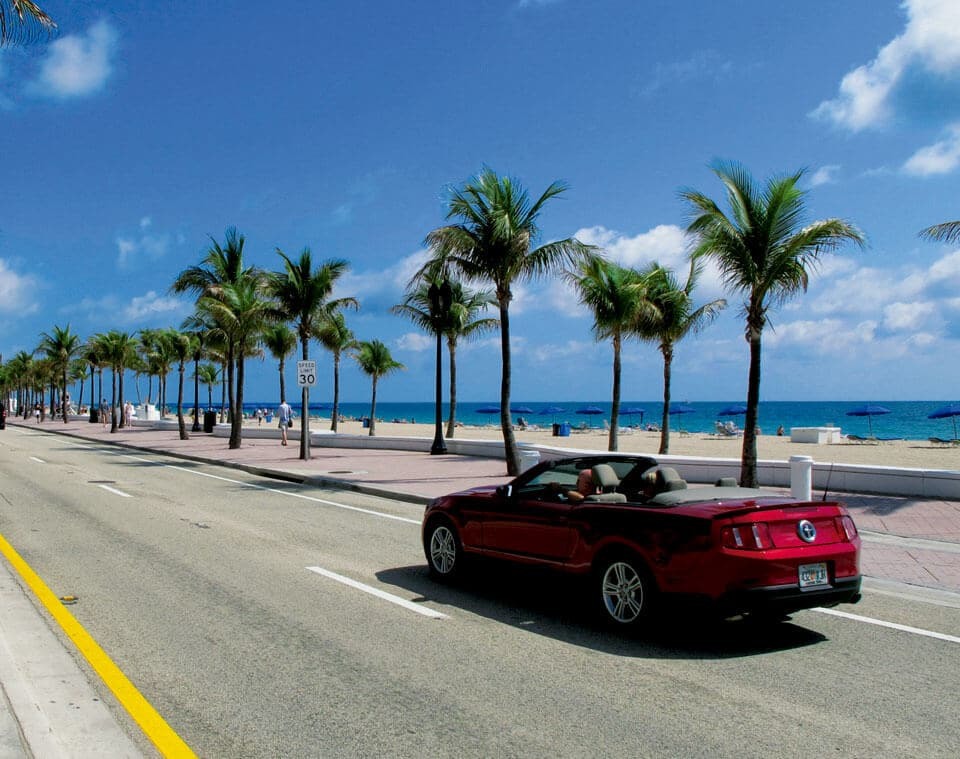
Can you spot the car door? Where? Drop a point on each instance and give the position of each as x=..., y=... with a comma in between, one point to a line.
x=530, y=525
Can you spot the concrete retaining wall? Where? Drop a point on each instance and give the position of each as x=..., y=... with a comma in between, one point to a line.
x=849, y=478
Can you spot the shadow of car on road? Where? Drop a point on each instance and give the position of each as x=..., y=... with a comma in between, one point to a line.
x=558, y=607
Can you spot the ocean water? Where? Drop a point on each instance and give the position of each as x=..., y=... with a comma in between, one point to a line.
x=907, y=419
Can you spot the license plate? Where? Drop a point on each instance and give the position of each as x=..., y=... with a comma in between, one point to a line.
x=812, y=575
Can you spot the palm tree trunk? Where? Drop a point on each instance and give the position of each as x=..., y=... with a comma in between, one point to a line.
x=510, y=452
x=373, y=408
x=181, y=424
x=196, y=394
x=452, y=420
x=612, y=441
x=748, y=461
x=123, y=421
x=236, y=406
x=335, y=417
x=665, y=423
x=93, y=399
x=113, y=401
x=225, y=378
x=66, y=411
x=283, y=381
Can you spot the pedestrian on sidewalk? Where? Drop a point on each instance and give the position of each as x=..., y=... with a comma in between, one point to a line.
x=104, y=410
x=285, y=414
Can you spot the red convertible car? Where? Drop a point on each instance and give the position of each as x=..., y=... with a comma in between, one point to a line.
x=644, y=538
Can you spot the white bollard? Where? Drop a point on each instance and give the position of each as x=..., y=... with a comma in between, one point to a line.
x=801, y=477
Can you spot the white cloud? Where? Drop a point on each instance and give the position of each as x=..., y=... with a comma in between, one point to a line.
x=704, y=65
x=904, y=317
x=823, y=336
x=824, y=175
x=416, y=342
x=16, y=291
x=152, y=246
x=390, y=281
x=940, y=158
x=931, y=40
x=145, y=306
x=665, y=243
x=77, y=65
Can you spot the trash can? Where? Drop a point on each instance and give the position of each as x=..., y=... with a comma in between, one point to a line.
x=564, y=429
x=556, y=429
x=3, y=417
x=209, y=420
x=366, y=422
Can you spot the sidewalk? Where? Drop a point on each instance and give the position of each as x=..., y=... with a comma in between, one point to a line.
x=909, y=544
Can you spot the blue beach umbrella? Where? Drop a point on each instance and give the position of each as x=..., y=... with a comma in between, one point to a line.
x=735, y=410
x=870, y=410
x=552, y=411
x=950, y=410
x=488, y=410
x=633, y=411
x=677, y=409
x=590, y=410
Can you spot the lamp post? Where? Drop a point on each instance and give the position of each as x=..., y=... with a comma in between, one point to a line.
x=439, y=305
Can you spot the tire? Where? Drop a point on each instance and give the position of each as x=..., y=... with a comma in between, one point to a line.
x=443, y=550
x=624, y=590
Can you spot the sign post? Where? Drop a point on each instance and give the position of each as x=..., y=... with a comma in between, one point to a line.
x=306, y=378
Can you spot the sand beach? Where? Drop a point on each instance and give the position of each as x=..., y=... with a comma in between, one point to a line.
x=898, y=453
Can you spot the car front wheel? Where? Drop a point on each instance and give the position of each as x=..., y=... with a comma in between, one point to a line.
x=443, y=551
x=626, y=595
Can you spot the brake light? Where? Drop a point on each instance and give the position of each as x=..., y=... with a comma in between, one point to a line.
x=849, y=528
x=748, y=537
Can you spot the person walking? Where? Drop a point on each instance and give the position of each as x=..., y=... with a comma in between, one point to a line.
x=104, y=410
x=285, y=414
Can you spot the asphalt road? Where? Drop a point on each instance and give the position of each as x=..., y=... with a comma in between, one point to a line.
x=224, y=598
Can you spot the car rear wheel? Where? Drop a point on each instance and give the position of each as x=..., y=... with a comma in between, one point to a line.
x=626, y=593
x=443, y=551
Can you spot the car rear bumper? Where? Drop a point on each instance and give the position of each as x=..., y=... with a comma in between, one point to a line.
x=784, y=599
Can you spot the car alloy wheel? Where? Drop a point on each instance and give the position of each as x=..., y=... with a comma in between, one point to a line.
x=443, y=550
x=623, y=592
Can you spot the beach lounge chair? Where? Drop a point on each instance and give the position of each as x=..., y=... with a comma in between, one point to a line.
x=858, y=439
x=943, y=441
x=728, y=429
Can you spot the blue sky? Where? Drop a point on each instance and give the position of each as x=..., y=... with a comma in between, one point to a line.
x=141, y=129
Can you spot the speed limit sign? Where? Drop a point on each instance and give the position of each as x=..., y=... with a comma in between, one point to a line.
x=306, y=373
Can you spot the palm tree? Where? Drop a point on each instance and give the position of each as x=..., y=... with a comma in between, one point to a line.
x=302, y=295
x=91, y=354
x=209, y=375
x=336, y=337
x=672, y=318
x=202, y=330
x=181, y=346
x=22, y=20
x=617, y=298
x=375, y=360
x=78, y=373
x=280, y=341
x=460, y=319
x=241, y=312
x=492, y=240
x=765, y=253
x=61, y=346
x=117, y=349
x=949, y=231
x=221, y=266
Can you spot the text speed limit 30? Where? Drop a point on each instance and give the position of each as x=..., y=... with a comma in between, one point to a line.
x=306, y=373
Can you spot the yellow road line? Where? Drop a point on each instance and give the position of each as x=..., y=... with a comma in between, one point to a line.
x=153, y=725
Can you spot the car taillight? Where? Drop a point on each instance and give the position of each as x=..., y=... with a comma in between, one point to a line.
x=748, y=537
x=849, y=528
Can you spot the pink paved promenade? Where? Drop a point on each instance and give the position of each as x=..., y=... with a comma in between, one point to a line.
x=907, y=540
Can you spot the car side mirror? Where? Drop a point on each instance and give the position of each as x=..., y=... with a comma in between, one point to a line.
x=505, y=491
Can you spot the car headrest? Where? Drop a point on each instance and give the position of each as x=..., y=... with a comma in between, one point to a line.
x=668, y=479
x=605, y=477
